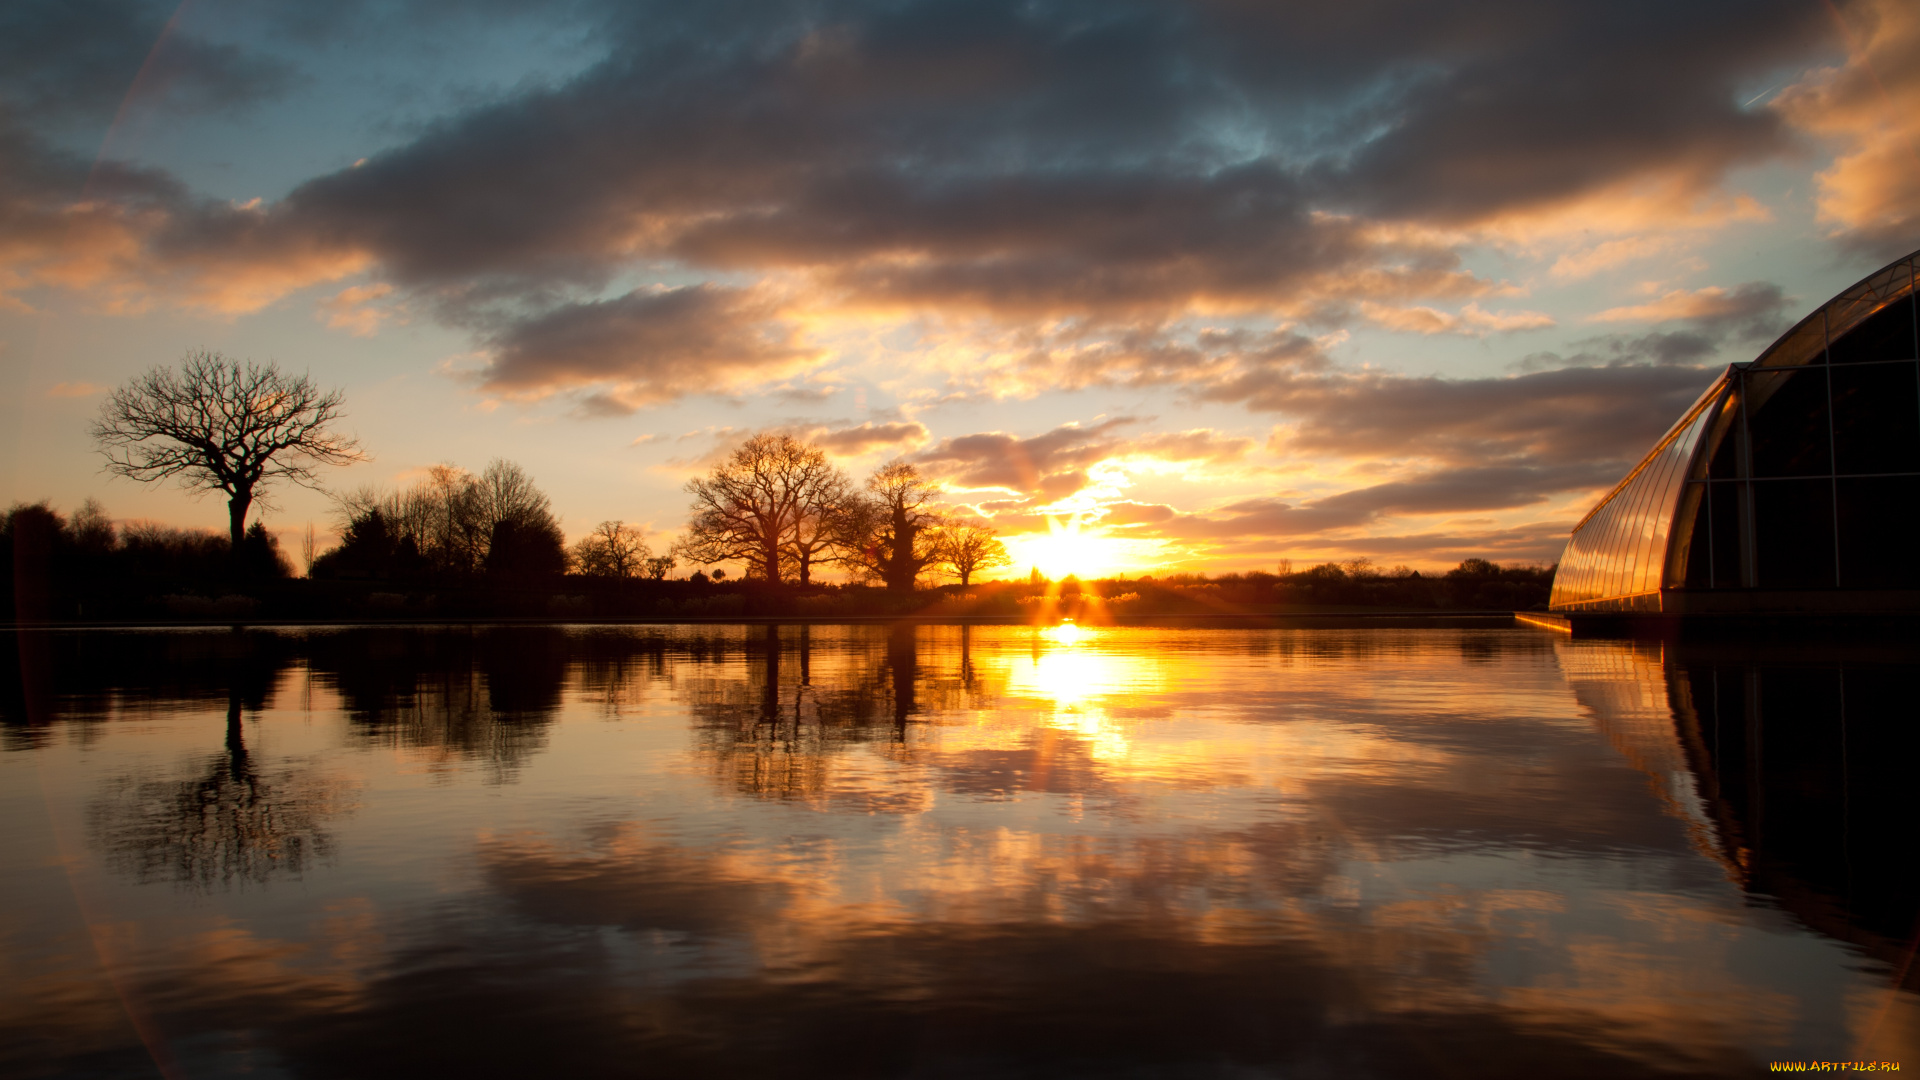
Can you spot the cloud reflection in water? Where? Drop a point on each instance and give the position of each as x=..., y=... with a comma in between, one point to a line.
x=854, y=851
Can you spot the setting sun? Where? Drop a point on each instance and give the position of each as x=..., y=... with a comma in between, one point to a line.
x=1068, y=547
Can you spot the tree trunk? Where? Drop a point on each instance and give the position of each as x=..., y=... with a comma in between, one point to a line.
x=772, y=555
x=900, y=569
x=237, y=507
x=964, y=574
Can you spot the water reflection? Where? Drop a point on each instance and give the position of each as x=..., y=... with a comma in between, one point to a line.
x=950, y=850
x=227, y=821
x=1804, y=758
x=481, y=694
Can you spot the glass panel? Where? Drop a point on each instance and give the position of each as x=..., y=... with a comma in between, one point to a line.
x=1885, y=335
x=1646, y=524
x=1659, y=536
x=1793, y=530
x=1699, y=572
x=1787, y=412
x=1804, y=344
x=1726, y=456
x=1876, y=418
x=1728, y=498
x=1619, y=582
x=1879, y=517
x=1601, y=540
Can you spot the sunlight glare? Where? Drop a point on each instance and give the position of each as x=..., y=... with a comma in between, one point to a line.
x=1069, y=547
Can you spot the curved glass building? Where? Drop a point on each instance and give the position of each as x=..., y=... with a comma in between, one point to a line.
x=1791, y=485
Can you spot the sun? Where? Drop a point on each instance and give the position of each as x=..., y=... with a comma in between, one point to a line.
x=1068, y=547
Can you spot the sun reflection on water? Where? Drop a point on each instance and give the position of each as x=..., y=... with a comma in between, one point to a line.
x=1074, y=678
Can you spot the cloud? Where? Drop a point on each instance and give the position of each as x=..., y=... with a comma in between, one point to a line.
x=1870, y=107
x=1574, y=265
x=1712, y=306
x=1193, y=445
x=1054, y=463
x=353, y=309
x=1472, y=321
x=81, y=60
x=128, y=238
x=647, y=347
x=1123, y=513
x=1442, y=491
x=1017, y=160
x=869, y=437
x=1518, y=109
x=74, y=389
x=1561, y=417
x=841, y=440
x=1055, y=182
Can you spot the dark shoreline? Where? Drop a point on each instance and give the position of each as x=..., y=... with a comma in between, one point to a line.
x=1303, y=620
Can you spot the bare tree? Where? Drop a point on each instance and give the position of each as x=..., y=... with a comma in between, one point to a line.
x=968, y=548
x=613, y=549
x=751, y=507
x=821, y=522
x=659, y=567
x=895, y=534
x=309, y=549
x=223, y=425
x=453, y=517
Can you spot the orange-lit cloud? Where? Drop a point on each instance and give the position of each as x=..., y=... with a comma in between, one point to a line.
x=1471, y=320
x=1869, y=106
x=354, y=309
x=1710, y=304
x=648, y=346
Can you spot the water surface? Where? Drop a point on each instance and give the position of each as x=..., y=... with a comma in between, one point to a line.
x=945, y=851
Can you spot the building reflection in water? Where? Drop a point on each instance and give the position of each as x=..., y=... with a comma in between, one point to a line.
x=1792, y=765
x=1805, y=759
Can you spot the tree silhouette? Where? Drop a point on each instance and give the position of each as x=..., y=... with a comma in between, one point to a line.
x=223, y=425
x=613, y=549
x=968, y=548
x=452, y=518
x=752, y=506
x=896, y=535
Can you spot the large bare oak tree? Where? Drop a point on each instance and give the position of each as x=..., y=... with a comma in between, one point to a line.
x=219, y=424
x=902, y=530
x=756, y=504
x=968, y=548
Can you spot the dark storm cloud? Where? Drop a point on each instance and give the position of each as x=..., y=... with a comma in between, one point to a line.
x=647, y=345
x=1063, y=157
x=1114, y=163
x=67, y=61
x=1565, y=417
x=1557, y=101
x=1443, y=491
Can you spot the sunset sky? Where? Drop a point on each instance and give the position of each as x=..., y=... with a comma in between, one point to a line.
x=1227, y=282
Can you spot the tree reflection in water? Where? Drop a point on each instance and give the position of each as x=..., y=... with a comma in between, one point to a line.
x=483, y=694
x=232, y=822
x=812, y=693
x=231, y=819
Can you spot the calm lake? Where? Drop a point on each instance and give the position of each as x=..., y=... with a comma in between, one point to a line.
x=942, y=851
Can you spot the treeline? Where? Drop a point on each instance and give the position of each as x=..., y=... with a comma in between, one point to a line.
x=83, y=566
x=451, y=525
x=780, y=508
x=488, y=545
